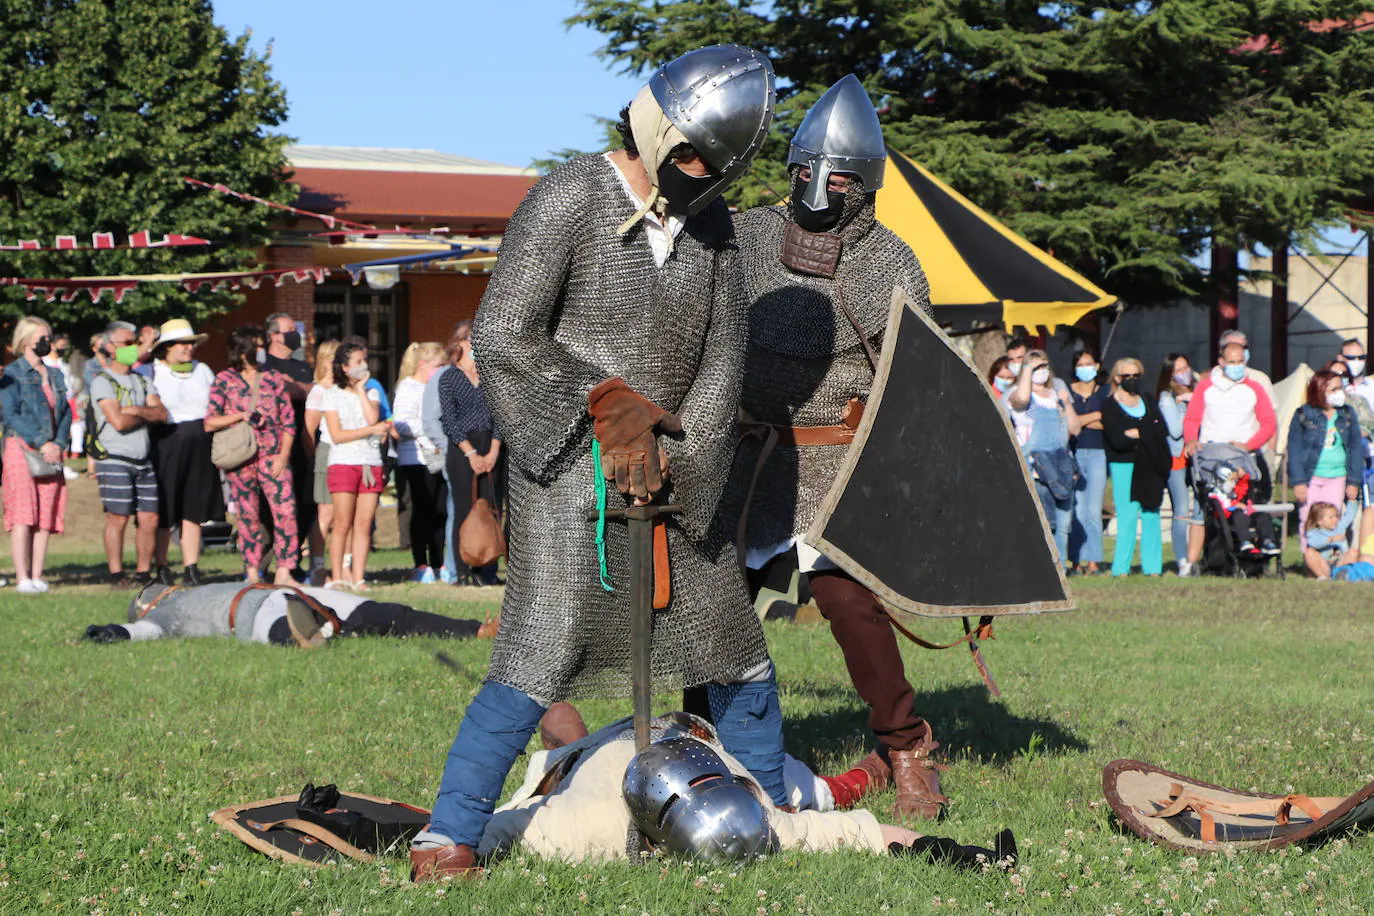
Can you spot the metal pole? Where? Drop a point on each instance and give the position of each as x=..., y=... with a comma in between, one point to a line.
x=1278, y=315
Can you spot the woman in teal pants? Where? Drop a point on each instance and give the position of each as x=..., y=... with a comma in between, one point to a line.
x=1137, y=446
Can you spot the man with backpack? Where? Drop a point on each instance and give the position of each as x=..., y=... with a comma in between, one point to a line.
x=122, y=404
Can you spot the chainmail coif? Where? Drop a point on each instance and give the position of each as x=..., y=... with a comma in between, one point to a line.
x=571, y=303
x=805, y=360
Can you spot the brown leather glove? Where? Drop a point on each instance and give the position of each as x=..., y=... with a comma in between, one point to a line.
x=625, y=423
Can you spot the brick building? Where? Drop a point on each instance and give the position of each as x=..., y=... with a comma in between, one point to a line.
x=416, y=189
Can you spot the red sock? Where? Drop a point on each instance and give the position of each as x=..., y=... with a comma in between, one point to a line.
x=848, y=787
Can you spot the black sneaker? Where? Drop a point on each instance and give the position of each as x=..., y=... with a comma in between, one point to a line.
x=166, y=576
x=1269, y=548
x=122, y=580
x=192, y=576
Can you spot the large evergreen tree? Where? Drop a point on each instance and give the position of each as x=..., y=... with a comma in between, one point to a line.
x=104, y=106
x=1120, y=134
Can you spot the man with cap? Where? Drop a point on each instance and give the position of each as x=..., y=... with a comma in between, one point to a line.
x=820, y=272
x=613, y=326
x=275, y=614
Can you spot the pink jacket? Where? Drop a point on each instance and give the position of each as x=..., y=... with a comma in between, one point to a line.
x=1227, y=411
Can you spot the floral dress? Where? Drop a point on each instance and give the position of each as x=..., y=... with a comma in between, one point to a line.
x=252, y=482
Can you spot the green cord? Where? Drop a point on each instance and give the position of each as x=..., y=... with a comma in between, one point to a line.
x=600, y=514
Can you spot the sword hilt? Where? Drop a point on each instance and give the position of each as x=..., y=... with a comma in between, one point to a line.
x=645, y=513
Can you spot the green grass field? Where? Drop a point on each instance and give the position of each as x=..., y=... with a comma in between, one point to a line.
x=112, y=757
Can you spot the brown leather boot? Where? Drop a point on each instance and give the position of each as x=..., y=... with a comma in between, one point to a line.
x=879, y=773
x=428, y=865
x=917, y=782
x=562, y=724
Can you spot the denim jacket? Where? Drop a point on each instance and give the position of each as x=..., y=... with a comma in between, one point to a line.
x=25, y=409
x=1305, y=438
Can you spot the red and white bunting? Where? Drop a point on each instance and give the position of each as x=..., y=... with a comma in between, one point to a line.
x=67, y=290
x=103, y=241
x=254, y=279
x=330, y=221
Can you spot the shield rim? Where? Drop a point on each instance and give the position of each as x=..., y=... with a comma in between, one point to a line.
x=815, y=535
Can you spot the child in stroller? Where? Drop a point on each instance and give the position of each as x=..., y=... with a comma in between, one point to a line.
x=1328, y=540
x=1226, y=487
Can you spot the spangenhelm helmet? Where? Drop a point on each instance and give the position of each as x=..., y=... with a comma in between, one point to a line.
x=840, y=133
x=684, y=799
x=721, y=98
x=144, y=599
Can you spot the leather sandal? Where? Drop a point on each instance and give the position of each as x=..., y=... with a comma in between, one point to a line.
x=917, y=781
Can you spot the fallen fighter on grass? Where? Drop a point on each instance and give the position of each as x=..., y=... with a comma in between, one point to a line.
x=280, y=615
x=683, y=795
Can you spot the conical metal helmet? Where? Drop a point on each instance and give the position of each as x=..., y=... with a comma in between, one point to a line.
x=840, y=133
x=685, y=800
x=721, y=98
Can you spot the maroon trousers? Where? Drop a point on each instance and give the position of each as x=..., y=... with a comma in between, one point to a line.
x=869, y=643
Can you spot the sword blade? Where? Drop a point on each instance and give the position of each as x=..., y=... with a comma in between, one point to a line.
x=641, y=534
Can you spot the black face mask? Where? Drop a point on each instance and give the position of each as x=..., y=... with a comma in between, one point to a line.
x=680, y=188
x=1130, y=385
x=292, y=339
x=42, y=348
x=817, y=220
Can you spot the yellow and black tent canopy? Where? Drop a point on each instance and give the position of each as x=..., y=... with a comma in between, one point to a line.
x=977, y=267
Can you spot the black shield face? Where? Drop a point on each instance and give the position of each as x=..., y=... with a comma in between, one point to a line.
x=934, y=509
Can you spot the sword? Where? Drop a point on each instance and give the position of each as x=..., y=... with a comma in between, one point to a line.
x=640, y=524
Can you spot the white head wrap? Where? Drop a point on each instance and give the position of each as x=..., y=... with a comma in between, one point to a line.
x=655, y=137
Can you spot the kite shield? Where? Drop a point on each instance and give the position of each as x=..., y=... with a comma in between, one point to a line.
x=934, y=509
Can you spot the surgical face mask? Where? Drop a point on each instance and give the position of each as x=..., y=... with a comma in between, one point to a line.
x=1234, y=371
x=181, y=367
x=127, y=355
x=1335, y=399
x=357, y=373
x=680, y=188
x=261, y=356
x=1184, y=378
x=1040, y=376
x=1356, y=364
x=1003, y=384
x=292, y=339
x=1085, y=373
x=42, y=348
x=817, y=220
x=1014, y=368
x=1130, y=385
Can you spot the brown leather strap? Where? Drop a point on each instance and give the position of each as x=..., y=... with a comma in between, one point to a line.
x=311, y=603
x=982, y=631
x=315, y=831
x=863, y=335
x=814, y=435
x=663, y=579
x=143, y=609
x=769, y=435
x=1280, y=808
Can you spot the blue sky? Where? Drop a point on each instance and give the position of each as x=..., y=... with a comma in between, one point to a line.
x=503, y=81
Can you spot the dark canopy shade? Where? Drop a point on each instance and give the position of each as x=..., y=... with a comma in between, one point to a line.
x=975, y=264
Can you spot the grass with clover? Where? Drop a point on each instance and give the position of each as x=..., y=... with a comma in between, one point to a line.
x=112, y=756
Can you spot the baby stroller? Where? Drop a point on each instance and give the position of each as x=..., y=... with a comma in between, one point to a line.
x=1240, y=537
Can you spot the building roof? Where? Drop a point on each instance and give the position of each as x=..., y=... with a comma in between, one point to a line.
x=409, y=186
x=379, y=159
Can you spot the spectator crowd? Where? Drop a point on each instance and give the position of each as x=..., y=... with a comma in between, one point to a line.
x=301, y=451
x=298, y=453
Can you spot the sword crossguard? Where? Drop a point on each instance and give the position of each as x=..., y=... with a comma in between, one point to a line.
x=645, y=513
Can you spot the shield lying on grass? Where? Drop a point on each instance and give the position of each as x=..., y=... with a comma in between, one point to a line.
x=934, y=509
x=357, y=827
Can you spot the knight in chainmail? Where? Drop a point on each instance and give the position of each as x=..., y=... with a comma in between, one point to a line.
x=615, y=320
x=820, y=273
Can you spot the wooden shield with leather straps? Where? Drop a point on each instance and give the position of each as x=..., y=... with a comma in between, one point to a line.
x=934, y=508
